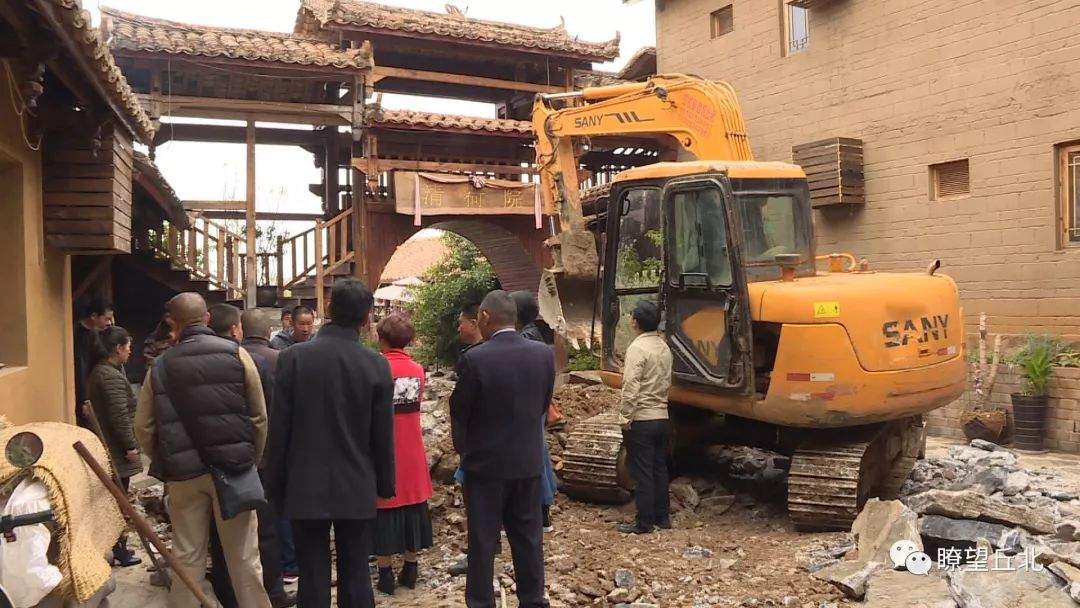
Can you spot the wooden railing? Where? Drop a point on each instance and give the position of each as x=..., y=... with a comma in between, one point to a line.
x=212, y=252
x=206, y=249
x=317, y=252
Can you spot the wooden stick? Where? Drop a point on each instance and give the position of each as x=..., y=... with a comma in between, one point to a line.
x=91, y=418
x=141, y=524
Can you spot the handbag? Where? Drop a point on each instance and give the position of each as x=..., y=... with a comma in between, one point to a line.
x=237, y=491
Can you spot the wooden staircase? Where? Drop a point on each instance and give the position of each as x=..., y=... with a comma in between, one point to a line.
x=208, y=258
x=310, y=261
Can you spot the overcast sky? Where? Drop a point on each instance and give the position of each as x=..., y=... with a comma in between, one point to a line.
x=201, y=171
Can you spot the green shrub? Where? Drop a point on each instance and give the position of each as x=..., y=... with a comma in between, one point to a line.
x=462, y=277
x=1036, y=362
x=583, y=359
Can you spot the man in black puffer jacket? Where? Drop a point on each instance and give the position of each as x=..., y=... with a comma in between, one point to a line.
x=208, y=401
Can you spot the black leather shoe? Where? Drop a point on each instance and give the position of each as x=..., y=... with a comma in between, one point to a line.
x=126, y=560
x=408, y=575
x=386, y=581
x=626, y=528
x=665, y=524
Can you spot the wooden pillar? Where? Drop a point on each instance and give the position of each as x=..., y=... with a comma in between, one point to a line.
x=358, y=193
x=330, y=172
x=251, y=260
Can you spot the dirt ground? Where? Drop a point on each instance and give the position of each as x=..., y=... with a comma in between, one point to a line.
x=745, y=555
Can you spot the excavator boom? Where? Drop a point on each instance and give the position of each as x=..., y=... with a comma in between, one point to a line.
x=701, y=117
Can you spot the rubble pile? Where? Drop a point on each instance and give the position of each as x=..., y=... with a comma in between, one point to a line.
x=977, y=528
x=720, y=542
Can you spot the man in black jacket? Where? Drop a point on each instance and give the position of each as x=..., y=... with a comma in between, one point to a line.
x=496, y=411
x=332, y=448
x=202, y=406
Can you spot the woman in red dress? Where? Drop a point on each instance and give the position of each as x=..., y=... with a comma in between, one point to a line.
x=402, y=525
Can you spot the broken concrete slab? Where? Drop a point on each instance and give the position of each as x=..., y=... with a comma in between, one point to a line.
x=899, y=588
x=988, y=446
x=969, y=504
x=683, y=491
x=849, y=577
x=1016, y=483
x=880, y=525
x=1007, y=589
x=1067, y=530
x=941, y=528
x=717, y=504
x=987, y=480
x=1066, y=572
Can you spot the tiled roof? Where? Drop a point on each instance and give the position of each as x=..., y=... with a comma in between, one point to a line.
x=448, y=122
x=413, y=258
x=584, y=79
x=316, y=15
x=642, y=64
x=77, y=25
x=162, y=192
x=131, y=32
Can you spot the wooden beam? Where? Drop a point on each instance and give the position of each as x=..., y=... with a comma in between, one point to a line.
x=460, y=79
x=262, y=216
x=235, y=135
x=215, y=205
x=102, y=265
x=251, y=259
x=392, y=164
x=245, y=109
x=254, y=68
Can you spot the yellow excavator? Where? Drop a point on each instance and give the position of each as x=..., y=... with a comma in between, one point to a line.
x=832, y=368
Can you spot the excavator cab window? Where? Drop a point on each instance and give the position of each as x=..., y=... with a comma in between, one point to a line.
x=700, y=244
x=638, y=263
x=705, y=302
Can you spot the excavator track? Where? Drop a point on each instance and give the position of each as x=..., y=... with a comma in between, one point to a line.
x=833, y=475
x=591, y=461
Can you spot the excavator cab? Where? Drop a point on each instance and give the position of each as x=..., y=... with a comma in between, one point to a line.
x=691, y=241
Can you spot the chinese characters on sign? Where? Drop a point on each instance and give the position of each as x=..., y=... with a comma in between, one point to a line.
x=454, y=194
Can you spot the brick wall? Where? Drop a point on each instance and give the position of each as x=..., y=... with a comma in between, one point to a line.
x=920, y=82
x=1063, y=413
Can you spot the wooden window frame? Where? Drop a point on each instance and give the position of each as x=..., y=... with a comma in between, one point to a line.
x=935, y=168
x=1067, y=200
x=785, y=30
x=716, y=29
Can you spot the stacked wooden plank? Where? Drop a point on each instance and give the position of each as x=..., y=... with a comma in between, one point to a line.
x=834, y=170
x=87, y=192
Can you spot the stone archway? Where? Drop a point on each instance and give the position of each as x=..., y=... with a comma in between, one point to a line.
x=512, y=244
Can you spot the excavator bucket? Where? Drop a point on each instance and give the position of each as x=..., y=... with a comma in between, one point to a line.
x=569, y=291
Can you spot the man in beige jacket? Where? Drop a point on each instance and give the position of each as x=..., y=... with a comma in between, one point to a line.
x=202, y=406
x=644, y=407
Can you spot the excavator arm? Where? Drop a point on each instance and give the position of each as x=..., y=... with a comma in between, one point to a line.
x=701, y=116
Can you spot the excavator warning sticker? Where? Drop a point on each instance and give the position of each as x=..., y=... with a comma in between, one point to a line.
x=826, y=310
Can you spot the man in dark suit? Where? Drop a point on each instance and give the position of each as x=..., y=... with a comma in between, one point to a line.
x=499, y=402
x=332, y=448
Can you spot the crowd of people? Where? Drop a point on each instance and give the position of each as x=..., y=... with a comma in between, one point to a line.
x=272, y=448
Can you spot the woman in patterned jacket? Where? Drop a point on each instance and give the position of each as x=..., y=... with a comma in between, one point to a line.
x=402, y=525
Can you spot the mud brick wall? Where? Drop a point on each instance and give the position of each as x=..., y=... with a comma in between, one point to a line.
x=1063, y=415
x=919, y=83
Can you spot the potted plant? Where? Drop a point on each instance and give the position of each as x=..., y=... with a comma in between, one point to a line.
x=981, y=420
x=1036, y=363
